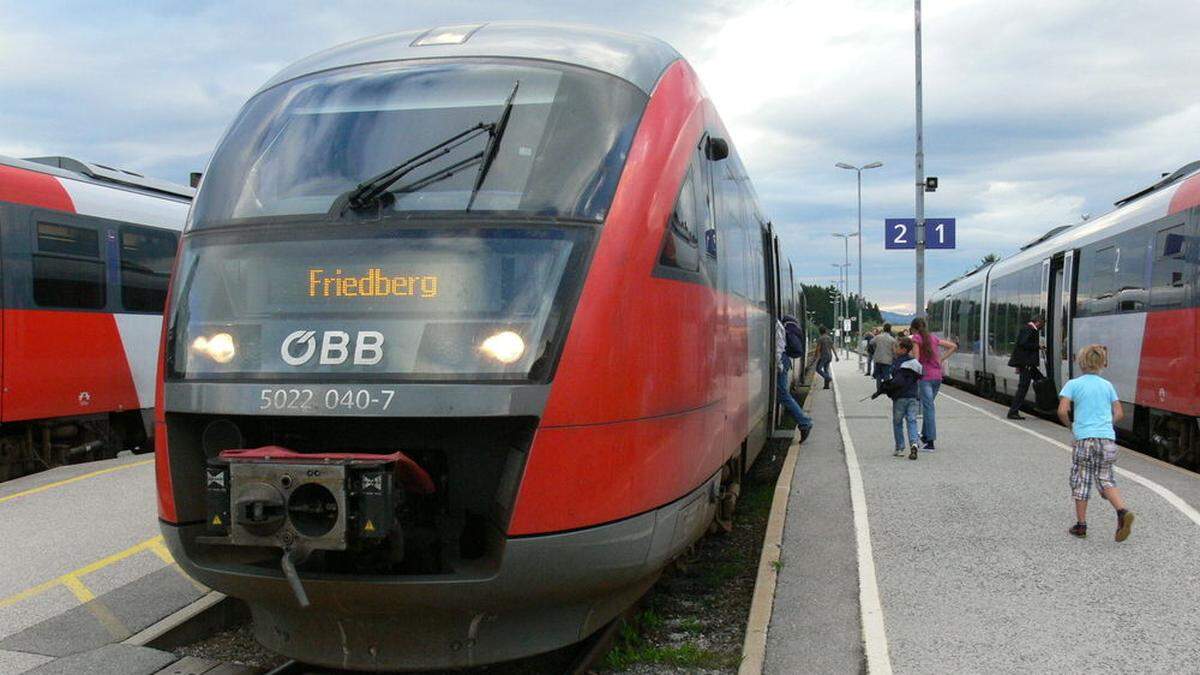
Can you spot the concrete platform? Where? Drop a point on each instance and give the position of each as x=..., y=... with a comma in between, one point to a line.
x=84, y=569
x=962, y=562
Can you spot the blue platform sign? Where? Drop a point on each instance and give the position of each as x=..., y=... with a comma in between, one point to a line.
x=901, y=233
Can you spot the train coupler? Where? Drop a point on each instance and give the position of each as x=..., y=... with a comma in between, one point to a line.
x=305, y=502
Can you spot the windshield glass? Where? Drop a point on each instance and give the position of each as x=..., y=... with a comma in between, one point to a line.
x=296, y=147
x=401, y=303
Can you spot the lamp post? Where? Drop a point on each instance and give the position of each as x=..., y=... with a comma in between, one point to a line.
x=858, y=170
x=846, y=240
x=836, y=298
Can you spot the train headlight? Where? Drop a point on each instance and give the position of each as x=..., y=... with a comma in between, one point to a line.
x=505, y=346
x=220, y=347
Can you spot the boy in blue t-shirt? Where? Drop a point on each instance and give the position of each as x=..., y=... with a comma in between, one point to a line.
x=1096, y=408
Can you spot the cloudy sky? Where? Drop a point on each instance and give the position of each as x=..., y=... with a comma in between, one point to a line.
x=1035, y=112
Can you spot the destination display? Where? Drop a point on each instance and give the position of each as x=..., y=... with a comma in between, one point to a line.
x=374, y=284
x=426, y=302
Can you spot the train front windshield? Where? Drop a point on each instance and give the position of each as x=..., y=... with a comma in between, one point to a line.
x=461, y=270
x=296, y=147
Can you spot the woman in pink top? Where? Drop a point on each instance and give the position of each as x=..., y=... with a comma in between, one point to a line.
x=931, y=357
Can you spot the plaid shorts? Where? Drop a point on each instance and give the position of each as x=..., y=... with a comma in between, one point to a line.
x=1092, y=460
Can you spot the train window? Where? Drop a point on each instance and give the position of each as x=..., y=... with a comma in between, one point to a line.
x=706, y=210
x=731, y=224
x=1129, y=273
x=1173, y=276
x=146, y=259
x=993, y=317
x=1031, y=294
x=297, y=146
x=1098, y=283
x=56, y=238
x=680, y=249
x=67, y=269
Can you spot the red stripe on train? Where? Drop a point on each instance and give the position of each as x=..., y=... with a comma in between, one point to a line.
x=1186, y=196
x=652, y=390
x=31, y=188
x=1169, y=372
x=63, y=364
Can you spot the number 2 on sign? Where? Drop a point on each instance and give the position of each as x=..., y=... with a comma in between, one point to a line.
x=901, y=233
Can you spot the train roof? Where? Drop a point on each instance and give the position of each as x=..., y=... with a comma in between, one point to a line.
x=1177, y=191
x=67, y=167
x=638, y=59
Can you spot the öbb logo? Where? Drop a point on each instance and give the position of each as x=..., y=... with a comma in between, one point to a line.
x=300, y=346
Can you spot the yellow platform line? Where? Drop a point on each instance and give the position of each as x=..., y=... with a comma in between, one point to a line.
x=71, y=580
x=160, y=550
x=115, y=627
x=73, y=584
x=93, y=474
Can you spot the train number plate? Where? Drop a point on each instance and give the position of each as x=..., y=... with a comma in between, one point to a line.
x=333, y=399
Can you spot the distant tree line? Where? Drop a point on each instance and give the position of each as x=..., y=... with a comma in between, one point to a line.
x=820, y=305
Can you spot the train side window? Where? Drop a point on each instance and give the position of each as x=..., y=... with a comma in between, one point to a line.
x=1103, y=288
x=1129, y=273
x=680, y=248
x=146, y=259
x=707, y=213
x=1172, y=276
x=68, y=271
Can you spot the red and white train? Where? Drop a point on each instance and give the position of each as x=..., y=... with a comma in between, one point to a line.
x=471, y=333
x=1126, y=280
x=87, y=253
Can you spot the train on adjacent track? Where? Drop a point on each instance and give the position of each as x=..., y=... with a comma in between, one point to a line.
x=87, y=253
x=472, y=331
x=1126, y=280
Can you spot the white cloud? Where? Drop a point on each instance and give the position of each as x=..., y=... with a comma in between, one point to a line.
x=1036, y=111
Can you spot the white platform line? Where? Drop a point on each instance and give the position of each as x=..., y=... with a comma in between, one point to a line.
x=1171, y=498
x=874, y=634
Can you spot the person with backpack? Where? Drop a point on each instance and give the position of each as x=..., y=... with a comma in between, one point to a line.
x=902, y=386
x=789, y=344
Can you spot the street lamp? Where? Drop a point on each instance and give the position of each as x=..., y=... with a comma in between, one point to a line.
x=858, y=170
x=837, y=298
x=846, y=239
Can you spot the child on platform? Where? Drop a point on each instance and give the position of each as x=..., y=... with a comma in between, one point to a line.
x=1096, y=408
x=901, y=387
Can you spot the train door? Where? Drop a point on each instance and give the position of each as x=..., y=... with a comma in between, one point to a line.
x=1058, y=324
x=775, y=305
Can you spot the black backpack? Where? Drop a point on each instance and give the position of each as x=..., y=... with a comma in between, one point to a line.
x=794, y=338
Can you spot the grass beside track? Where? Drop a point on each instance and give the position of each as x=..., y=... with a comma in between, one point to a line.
x=695, y=616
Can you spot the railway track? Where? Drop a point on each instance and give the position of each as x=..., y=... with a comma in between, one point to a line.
x=577, y=659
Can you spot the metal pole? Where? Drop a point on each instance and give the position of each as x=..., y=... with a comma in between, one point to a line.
x=861, y=366
x=920, y=176
x=846, y=285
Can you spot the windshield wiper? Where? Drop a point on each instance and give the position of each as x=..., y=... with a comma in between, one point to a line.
x=493, y=145
x=366, y=192
x=369, y=191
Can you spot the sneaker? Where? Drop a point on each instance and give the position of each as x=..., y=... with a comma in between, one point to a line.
x=928, y=447
x=912, y=452
x=1078, y=530
x=826, y=384
x=804, y=432
x=1124, y=524
x=899, y=452
x=1015, y=416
